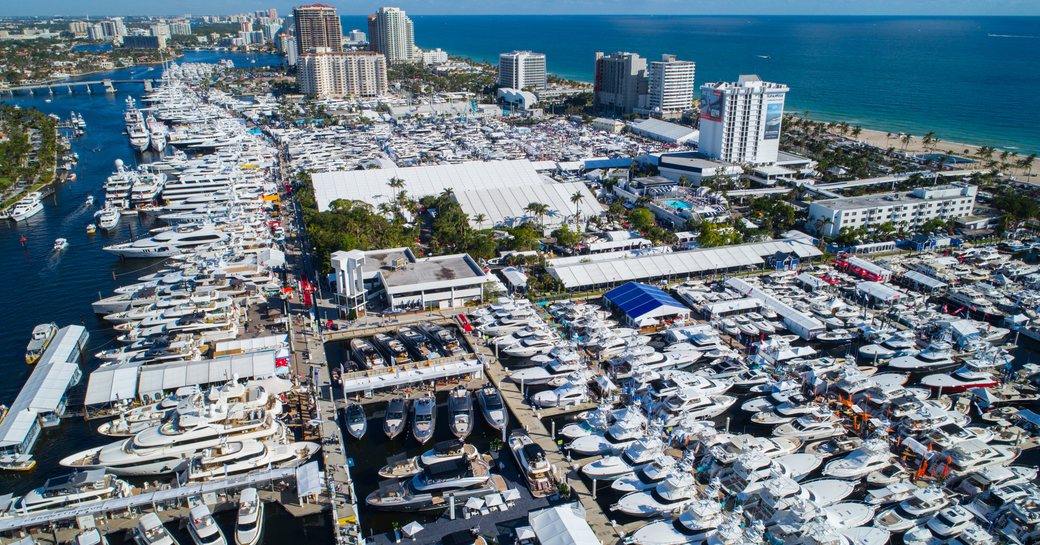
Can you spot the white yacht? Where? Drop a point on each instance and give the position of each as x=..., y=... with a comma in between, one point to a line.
x=698, y=521
x=150, y=531
x=249, y=523
x=138, y=134
x=873, y=455
x=73, y=489
x=26, y=207
x=202, y=528
x=108, y=218
x=923, y=504
x=237, y=457
x=671, y=496
x=157, y=132
x=170, y=242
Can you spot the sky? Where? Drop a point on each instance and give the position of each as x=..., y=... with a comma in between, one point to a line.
x=475, y=7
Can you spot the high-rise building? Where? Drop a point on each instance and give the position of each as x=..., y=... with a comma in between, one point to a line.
x=78, y=28
x=324, y=73
x=521, y=70
x=160, y=29
x=620, y=84
x=671, y=88
x=287, y=46
x=96, y=32
x=180, y=28
x=118, y=28
x=434, y=56
x=272, y=13
x=317, y=27
x=740, y=121
x=390, y=33
x=356, y=37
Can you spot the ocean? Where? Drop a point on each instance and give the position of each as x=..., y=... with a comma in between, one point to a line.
x=968, y=79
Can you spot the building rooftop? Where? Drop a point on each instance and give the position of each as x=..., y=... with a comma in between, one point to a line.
x=663, y=130
x=874, y=201
x=402, y=271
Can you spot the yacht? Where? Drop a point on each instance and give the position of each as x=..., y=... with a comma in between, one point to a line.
x=171, y=242
x=671, y=496
x=548, y=371
x=424, y=419
x=396, y=418
x=444, y=338
x=492, y=407
x=73, y=489
x=357, y=421
x=431, y=488
x=815, y=425
x=892, y=493
x=445, y=451
x=460, y=412
x=393, y=349
x=963, y=379
x=937, y=356
x=39, y=341
x=533, y=464
x=238, y=457
x=570, y=393
x=157, y=132
x=421, y=347
x=150, y=531
x=107, y=218
x=922, y=505
x=696, y=523
x=249, y=522
x=202, y=528
x=645, y=477
x=874, y=455
x=365, y=354
x=689, y=404
x=138, y=134
x=969, y=455
x=27, y=207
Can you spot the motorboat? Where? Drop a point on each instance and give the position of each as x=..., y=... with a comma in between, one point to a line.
x=91, y=229
x=563, y=396
x=39, y=340
x=396, y=418
x=815, y=425
x=946, y=524
x=963, y=379
x=533, y=464
x=171, y=242
x=460, y=412
x=696, y=523
x=420, y=346
x=548, y=371
x=937, y=356
x=60, y=244
x=365, y=354
x=646, y=476
x=836, y=337
x=688, y=404
x=970, y=455
x=892, y=493
x=627, y=428
x=394, y=350
x=729, y=450
x=424, y=419
x=924, y=503
x=249, y=521
x=203, y=528
x=978, y=481
x=443, y=451
x=107, y=218
x=150, y=531
x=90, y=536
x=671, y=496
x=357, y=421
x=872, y=456
x=27, y=207
x=73, y=489
x=607, y=468
x=492, y=407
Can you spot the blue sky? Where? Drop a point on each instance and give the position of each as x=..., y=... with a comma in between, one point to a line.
x=464, y=7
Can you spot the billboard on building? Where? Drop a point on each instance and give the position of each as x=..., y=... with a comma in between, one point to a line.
x=713, y=103
x=774, y=116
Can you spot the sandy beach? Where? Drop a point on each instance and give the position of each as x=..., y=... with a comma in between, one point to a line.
x=885, y=140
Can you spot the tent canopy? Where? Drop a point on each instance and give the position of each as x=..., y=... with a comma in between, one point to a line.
x=562, y=525
x=640, y=302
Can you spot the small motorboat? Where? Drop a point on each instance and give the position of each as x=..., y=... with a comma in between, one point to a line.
x=492, y=407
x=90, y=200
x=396, y=417
x=91, y=229
x=424, y=419
x=357, y=423
x=202, y=528
x=250, y=519
x=60, y=244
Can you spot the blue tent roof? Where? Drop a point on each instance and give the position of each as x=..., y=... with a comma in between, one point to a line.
x=637, y=300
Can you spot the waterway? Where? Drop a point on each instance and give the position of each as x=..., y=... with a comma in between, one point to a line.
x=42, y=285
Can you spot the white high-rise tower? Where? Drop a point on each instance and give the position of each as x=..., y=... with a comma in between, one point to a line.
x=740, y=121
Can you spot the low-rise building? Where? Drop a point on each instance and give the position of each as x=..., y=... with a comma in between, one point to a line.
x=946, y=202
x=606, y=124
x=693, y=167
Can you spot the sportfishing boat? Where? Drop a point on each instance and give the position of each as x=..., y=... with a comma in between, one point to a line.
x=27, y=207
x=533, y=464
x=396, y=418
x=696, y=523
x=202, y=528
x=249, y=522
x=424, y=419
x=357, y=422
x=646, y=476
x=39, y=341
x=150, y=531
x=460, y=412
x=492, y=407
x=73, y=489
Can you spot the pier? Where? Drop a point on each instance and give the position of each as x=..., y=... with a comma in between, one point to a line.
x=87, y=86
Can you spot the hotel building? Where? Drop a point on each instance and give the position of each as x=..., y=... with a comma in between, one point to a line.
x=521, y=70
x=827, y=217
x=740, y=121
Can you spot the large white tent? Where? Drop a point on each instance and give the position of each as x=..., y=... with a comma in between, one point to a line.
x=562, y=525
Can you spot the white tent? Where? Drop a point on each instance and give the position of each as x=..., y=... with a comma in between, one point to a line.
x=562, y=525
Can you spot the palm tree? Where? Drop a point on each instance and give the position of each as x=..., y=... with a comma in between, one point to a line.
x=395, y=183
x=576, y=199
x=448, y=193
x=479, y=219
x=538, y=209
x=906, y=139
x=856, y=131
x=1027, y=163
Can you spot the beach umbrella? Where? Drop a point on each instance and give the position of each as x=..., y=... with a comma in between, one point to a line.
x=412, y=528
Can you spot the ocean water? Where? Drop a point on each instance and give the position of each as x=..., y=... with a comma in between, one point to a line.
x=41, y=285
x=970, y=80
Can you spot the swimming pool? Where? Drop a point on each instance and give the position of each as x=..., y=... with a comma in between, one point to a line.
x=677, y=204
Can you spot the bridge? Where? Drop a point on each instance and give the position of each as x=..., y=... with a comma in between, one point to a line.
x=107, y=85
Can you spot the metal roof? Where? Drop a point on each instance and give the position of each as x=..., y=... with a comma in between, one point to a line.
x=618, y=267
x=640, y=301
x=166, y=377
x=371, y=186
x=879, y=291
x=924, y=280
x=504, y=206
x=798, y=322
x=111, y=384
x=665, y=131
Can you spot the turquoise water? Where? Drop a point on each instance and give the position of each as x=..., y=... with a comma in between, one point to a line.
x=677, y=204
x=968, y=79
